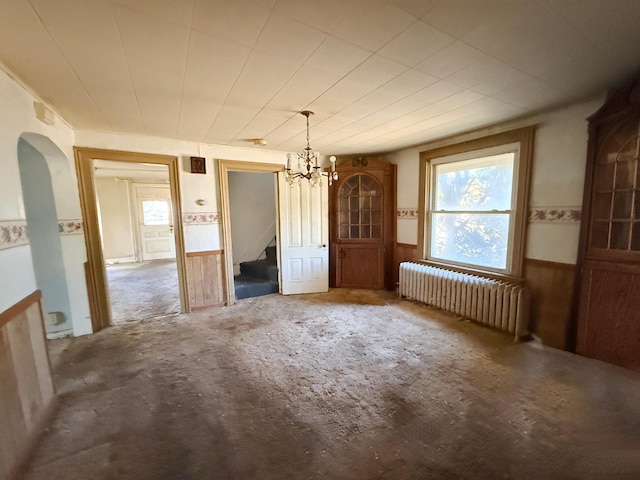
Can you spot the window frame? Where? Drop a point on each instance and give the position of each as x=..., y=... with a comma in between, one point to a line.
x=461, y=148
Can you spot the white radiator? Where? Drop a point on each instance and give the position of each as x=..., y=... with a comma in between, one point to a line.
x=490, y=302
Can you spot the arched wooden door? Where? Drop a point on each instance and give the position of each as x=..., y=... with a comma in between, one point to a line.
x=362, y=224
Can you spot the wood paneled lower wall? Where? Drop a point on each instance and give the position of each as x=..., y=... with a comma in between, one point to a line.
x=551, y=285
x=26, y=388
x=404, y=252
x=205, y=279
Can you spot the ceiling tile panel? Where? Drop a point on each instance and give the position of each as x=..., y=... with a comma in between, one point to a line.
x=263, y=124
x=402, y=86
x=416, y=43
x=485, y=69
x=370, y=24
x=262, y=77
x=206, y=85
x=328, y=105
x=94, y=51
x=319, y=14
x=371, y=74
x=461, y=17
x=175, y=11
x=337, y=57
x=429, y=95
x=415, y=7
x=531, y=95
x=449, y=60
x=283, y=36
x=239, y=20
x=40, y=64
x=196, y=117
x=302, y=89
x=357, y=111
x=503, y=78
x=157, y=78
x=460, y=99
x=230, y=121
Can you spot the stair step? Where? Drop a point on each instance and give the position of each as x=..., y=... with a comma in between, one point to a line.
x=265, y=269
x=248, y=287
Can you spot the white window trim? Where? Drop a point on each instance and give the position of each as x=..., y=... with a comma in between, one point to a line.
x=521, y=141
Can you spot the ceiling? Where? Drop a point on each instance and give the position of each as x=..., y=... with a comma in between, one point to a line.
x=379, y=75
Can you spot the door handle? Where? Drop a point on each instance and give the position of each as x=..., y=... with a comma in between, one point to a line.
x=324, y=245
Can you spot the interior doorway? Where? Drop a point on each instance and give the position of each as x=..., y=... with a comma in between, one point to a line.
x=252, y=207
x=136, y=229
x=225, y=168
x=131, y=165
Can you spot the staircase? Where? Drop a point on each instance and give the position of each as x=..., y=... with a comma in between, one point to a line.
x=259, y=277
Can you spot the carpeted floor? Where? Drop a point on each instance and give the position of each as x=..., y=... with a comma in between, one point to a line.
x=143, y=290
x=350, y=384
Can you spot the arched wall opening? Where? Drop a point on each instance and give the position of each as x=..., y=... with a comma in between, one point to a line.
x=51, y=210
x=44, y=237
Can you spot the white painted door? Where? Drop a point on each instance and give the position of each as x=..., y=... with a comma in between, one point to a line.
x=155, y=223
x=303, y=236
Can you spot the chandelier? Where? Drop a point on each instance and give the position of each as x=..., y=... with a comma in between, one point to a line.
x=307, y=166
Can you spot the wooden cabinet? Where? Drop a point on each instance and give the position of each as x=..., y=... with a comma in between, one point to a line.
x=362, y=224
x=609, y=300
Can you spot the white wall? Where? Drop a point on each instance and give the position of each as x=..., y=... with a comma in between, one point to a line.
x=17, y=279
x=252, y=204
x=202, y=224
x=557, y=181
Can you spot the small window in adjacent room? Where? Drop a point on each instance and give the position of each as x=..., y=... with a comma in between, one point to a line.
x=474, y=201
x=155, y=212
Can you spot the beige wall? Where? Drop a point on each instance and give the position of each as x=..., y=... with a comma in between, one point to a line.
x=557, y=179
x=115, y=220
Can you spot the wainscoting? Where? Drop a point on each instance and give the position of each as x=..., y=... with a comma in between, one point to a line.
x=27, y=396
x=205, y=279
x=551, y=285
x=403, y=252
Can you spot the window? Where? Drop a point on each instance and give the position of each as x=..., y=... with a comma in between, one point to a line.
x=155, y=212
x=474, y=201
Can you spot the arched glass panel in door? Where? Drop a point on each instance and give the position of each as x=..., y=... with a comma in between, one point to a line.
x=616, y=198
x=360, y=208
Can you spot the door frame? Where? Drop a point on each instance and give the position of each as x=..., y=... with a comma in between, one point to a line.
x=96, y=270
x=224, y=167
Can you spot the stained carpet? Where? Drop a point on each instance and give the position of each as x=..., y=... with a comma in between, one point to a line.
x=351, y=384
x=143, y=290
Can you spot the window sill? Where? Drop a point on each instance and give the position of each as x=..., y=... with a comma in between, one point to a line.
x=505, y=277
